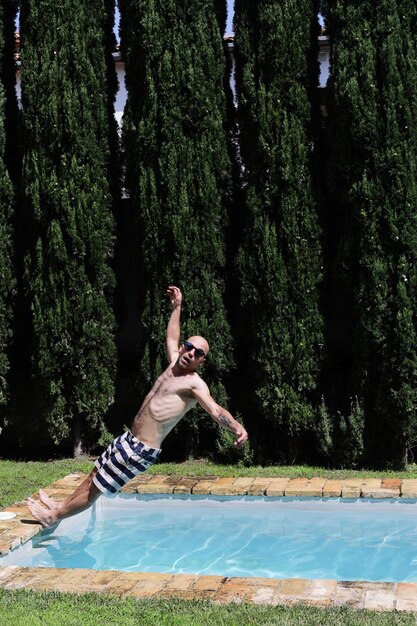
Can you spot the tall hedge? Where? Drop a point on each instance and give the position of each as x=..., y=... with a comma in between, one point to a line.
x=67, y=167
x=221, y=10
x=178, y=180
x=280, y=265
x=12, y=153
x=371, y=182
x=7, y=282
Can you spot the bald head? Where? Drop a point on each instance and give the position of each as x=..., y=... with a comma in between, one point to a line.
x=192, y=353
x=200, y=343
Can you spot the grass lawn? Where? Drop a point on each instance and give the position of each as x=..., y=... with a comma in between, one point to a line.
x=203, y=467
x=20, y=479
x=26, y=608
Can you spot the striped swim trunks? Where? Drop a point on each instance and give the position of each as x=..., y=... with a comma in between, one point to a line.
x=125, y=458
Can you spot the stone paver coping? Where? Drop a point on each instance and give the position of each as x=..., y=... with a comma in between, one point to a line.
x=219, y=589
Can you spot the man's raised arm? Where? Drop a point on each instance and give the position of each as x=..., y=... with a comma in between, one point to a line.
x=173, y=328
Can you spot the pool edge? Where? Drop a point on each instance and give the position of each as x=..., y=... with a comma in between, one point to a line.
x=377, y=596
x=380, y=596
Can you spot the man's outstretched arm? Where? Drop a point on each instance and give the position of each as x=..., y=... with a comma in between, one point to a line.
x=219, y=414
x=225, y=419
x=173, y=328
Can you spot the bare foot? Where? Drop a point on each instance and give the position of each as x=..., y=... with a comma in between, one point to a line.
x=47, y=501
x=44, y=516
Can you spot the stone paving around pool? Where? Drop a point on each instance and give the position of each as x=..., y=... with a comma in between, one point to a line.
x=219, y=589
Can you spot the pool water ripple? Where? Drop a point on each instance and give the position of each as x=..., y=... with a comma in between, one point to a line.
x=247, y=536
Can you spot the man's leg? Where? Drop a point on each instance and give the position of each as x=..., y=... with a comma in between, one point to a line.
x=83, y=497
x=48, y=501
x=55, y=504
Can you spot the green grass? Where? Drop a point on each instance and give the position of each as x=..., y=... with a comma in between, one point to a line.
x=203, y=467
x=23, y=608
x=20, y=479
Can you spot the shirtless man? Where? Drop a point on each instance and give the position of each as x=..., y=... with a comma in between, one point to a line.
x=174, y=393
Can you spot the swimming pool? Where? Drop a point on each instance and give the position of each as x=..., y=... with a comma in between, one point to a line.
x=235, y=536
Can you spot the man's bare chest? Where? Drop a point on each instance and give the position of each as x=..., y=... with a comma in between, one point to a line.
x=171, y=386
x=172, y=398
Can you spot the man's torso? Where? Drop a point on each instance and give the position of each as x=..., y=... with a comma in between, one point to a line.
x=168, y=401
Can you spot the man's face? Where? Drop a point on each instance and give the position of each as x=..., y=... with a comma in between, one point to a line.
x=193, y=353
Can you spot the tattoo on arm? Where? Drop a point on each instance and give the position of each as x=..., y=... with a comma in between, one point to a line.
x=225, y=421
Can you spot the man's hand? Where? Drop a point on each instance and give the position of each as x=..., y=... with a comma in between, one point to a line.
x=175, y=295
x=241, y=437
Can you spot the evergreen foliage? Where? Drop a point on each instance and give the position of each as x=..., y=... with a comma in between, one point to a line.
x=12, y=152
x=65, y=97
x=178, y=176
x=280, y=325
x=372, y=188
x=273, y=263
x=220, y=8
x=7, y=282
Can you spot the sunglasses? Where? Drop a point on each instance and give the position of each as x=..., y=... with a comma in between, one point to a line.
x=197, y=351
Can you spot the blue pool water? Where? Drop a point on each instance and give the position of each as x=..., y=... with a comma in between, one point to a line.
x=250, y=536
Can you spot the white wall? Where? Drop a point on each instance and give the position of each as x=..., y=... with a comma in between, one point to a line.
x=121, y=96
x=324, y=59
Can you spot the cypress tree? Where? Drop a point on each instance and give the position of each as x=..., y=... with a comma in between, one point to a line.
x=7, y=283
x=8, y=73
x=280, y=325
x=178, y=178
x=371, y=182
x=65, y=93
x=220, y=8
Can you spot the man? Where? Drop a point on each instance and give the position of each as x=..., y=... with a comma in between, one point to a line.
x=174, y=393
